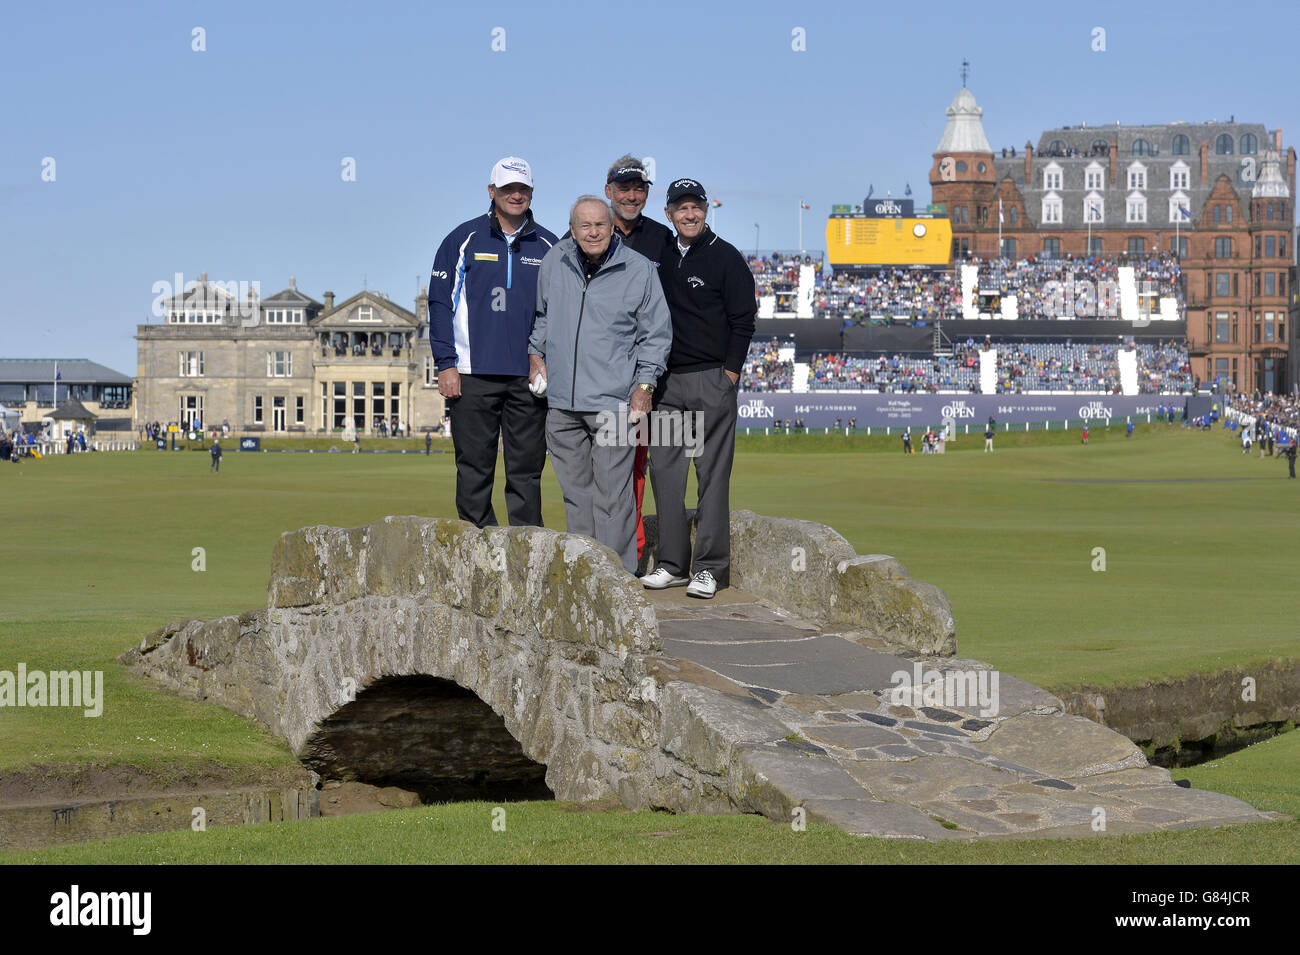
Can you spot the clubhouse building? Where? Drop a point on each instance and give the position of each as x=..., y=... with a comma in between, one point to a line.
x=288, y=363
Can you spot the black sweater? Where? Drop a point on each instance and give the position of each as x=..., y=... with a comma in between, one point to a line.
x=710, y=293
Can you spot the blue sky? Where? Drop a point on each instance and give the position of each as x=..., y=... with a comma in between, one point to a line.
x=228, y=160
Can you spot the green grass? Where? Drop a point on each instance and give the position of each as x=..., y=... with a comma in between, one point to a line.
x=97, y=550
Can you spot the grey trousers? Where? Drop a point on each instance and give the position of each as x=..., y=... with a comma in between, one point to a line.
x=596, y=479
x=712, y=396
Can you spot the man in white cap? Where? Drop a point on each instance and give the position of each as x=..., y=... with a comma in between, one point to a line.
x=482, y=298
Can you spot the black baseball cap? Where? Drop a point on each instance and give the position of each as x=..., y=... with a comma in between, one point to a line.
x=630, y=172
x=686, y=187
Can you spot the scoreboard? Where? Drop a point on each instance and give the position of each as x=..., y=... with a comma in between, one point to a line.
x=865, y=241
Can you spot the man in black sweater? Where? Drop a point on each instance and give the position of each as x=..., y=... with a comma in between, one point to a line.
x=710, y=293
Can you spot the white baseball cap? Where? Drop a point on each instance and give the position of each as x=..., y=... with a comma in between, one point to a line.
x=511, y=169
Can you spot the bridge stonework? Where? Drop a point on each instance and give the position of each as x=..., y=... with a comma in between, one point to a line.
x=704, y=706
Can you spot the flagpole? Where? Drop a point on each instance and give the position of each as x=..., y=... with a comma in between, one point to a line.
x=56, y=384
x=801, y=226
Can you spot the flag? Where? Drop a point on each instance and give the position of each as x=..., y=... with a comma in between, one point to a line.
x=1000, y=218
x=804, y=205
x=1183, y=209
x=907, y=191
x=716, y=203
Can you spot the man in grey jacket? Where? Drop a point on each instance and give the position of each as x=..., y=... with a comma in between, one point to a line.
x=600, y=342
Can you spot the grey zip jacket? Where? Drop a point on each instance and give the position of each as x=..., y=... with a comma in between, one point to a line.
x=601, y=338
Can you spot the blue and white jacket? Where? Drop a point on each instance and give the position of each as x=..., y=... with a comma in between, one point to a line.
x=482, y=297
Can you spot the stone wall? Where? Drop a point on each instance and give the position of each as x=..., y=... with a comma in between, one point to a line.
x=810, y=570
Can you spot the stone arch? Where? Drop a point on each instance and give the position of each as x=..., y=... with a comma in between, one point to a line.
x=427, y=735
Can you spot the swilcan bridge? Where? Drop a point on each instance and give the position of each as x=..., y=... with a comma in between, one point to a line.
x=460, y=662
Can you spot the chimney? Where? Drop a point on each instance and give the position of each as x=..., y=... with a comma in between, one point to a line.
x=1277, y=140
x=1114, y=158
x=1205, y=162
x=293, y=284
x=329, y=300
x=422, y=305
x=1029, y=164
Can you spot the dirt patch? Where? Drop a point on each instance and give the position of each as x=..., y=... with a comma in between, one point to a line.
x=340, y=798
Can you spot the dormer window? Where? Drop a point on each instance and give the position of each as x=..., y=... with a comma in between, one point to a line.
x=1137, y=176
x=365, y=313
x=1179, y=176
x=1052, y=176
x=1094, y=177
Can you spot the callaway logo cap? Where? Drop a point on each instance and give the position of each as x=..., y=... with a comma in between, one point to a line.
x=511, y=169
x=685, y=187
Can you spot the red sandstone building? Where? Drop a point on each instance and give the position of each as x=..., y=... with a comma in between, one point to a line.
x=1218, y=194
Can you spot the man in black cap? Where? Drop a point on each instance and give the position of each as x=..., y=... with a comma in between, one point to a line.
x=710, y=293
x=627, y=186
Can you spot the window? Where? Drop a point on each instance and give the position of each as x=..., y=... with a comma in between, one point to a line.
x=1281, y=246
x=1051, y=248
x=430, y=376
x=1223, y=145
x=1178, y=208
x=1268, y=211
x=279, y=364
x=1137, y=208
x=1052, y=176
x=1100, y=147
x=257, y=409
x=1014, y=215
x=1009, y=249
x=1182, y=145
x=191, y=411
x=1141, y=147
x=191, y=364
x=1227, y=215
x=1248, y=144
x=1222, y=284
x=1094, y=208
x=1056, y=148
x=1218, y=214
x=1094, y=245
x=1094, y=177
x=1180, y=246
x=961, y=166
x=1137, y=176
x=364, y=313
x=1270, y=245
x=1179, y=176
x=300, y=410
x=1136, y=245
x=284, y=316
x=1221, y=333
x=1270, y=283
x=1051, y=208
x=1223, y=247
x=964, y=211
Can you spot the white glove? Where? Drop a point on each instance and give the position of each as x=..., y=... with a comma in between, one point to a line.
x=537, y=386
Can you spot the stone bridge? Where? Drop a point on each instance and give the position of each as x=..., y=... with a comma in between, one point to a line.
x=466, y=663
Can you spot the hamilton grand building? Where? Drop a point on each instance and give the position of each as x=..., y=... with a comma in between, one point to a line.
x=1218, y=194
x=287, y=363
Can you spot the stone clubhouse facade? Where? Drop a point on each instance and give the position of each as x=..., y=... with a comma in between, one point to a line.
x=288, y=363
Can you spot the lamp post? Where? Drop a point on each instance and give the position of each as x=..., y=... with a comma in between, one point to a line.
x=755, y=240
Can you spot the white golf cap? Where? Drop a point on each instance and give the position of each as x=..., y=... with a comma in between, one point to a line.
x=511, y=169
